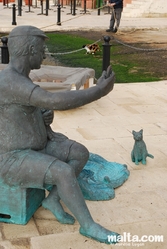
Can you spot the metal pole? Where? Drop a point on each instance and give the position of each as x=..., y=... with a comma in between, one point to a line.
x=47, y=7
x=74, y=8
x=98, y=11
x=59, y=14
x=41, y=7
x=106, y=52
x=4, y=51
x=29, y=8
x=14, y=14
x=71, y=7
x=19, y=7
x=84, y=6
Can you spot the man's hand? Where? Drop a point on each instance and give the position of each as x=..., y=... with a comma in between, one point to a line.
x=55, y=136
x=48, y=116
x=111, y=4
x=106, y=81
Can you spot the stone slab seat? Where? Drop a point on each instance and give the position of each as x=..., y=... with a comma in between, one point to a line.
x=17, y=205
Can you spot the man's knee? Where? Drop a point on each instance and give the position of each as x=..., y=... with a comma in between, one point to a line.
x=58, y=171
x=78, y=152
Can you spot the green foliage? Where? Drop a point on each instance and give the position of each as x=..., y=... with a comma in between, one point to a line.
x=126, y=67
x=62, y=43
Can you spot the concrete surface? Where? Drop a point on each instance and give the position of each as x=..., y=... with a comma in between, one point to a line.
x=146, y=8
x=105, y=127
x=80, y=21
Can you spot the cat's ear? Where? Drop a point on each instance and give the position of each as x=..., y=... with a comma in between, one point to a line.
x=133, y=132
x=141, y=131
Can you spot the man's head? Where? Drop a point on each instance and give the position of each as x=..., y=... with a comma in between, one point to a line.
x=27, y=41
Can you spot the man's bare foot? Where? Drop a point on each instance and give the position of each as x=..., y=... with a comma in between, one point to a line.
x=99, y=233
x=58, y=211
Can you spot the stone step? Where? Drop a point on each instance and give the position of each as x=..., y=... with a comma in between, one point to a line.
x=137, y=8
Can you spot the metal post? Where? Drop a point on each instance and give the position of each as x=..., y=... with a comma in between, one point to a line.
x=19, y=7
x=74, y=8
x=59, y=14
x=14, y=15
x=98, y=11
x=29, y=6
x=4, y=51
x=41, y=7
x=71, y=7
x=84, y=6
x=47, y=7
x=106, y=52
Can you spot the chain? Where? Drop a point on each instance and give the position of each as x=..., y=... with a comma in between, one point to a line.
x=71, y=52
x=118, y=41
x=73, y=17
x=140, y=49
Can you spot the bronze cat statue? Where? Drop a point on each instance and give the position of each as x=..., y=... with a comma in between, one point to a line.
x=139, y=152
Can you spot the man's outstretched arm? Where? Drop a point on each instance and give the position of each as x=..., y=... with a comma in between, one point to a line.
x=73, y=99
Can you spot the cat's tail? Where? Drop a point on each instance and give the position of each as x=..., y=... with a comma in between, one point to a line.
x=149, y=155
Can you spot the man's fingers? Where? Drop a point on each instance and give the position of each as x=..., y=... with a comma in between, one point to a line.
x=109, y=70
x=103, y=74
x=49, y=112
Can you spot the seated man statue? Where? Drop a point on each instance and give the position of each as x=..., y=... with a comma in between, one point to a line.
x=31, y=154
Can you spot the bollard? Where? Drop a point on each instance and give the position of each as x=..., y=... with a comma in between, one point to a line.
x=84, y=9
x=106, y=53
x=19, y=7
x=14, y=14
x=29, y=6
x=70, y=8
x=5, y=3
x=4, y=51
x=47, y=7
x=41, y=8
x=98, y=10
x=59, y=14
x=74, y=8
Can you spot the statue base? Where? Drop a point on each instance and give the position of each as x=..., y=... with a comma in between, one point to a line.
x=18, y=205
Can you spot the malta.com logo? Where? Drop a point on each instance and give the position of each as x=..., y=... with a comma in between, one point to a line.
x=133, y=240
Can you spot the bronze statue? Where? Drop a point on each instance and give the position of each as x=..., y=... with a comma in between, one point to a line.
x=31, y=154
x=139, y=152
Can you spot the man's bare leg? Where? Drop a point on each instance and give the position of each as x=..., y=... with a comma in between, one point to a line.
x=77, y=158
x=63, y=176
x=52, y=203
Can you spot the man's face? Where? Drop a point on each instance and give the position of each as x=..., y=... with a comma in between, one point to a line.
x=37, y=54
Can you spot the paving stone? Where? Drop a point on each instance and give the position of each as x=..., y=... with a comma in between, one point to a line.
x=105, y=127
x=146, y=228
x=65, y=241
x=6, y=245
x=11, y=231
x=54, y=227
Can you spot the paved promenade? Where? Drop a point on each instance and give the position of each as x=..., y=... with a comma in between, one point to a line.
x=89, y=21
x=105, y=127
